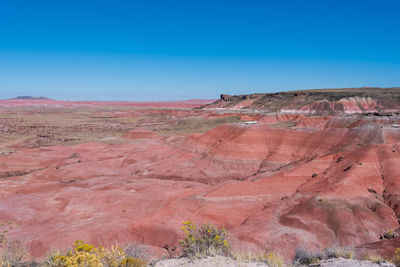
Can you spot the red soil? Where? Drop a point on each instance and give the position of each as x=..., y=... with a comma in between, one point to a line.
x=323, y=182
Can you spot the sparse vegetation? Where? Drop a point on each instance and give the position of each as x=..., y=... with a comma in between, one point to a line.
x=138, y=251
x=12, y=254
x=307, y=257
x=271, y=258
x=284, y=124
x=204, y=240
x=199, y=241
x=396, y=258
x=188, y=126
x=84, y=254
x=339, y=252
x=303, y=256
x=389, y=235
x=374, y=258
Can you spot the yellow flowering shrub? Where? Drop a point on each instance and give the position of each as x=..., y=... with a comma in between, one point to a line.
x=86, y=255
x=111, y=257
x=132, y=262
x=204, y=240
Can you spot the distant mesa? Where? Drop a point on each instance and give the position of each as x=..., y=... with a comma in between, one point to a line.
x=316, y=102
x=30, y=98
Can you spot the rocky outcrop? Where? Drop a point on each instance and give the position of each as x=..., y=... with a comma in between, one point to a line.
x=226, y=97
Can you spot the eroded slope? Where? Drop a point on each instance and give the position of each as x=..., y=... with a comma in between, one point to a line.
x=285, y=182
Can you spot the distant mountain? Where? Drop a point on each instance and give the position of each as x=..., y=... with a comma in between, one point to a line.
x=30, y=98
x=316, y=102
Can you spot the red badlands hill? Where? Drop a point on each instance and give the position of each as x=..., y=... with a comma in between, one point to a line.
x=290, y=180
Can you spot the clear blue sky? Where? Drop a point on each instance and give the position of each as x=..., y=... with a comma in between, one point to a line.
x=165, y=50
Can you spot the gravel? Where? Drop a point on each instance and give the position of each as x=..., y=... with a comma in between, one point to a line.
x=207, y=262
x=340, y=262
x=227, y=262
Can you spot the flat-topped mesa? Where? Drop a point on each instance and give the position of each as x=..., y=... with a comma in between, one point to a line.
x=30, y=98
x=316, y=101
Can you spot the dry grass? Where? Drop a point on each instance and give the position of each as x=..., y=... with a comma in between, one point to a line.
x=374, y=258
x=303, y=256
x=339, y=252
x=189, y=126
x=13, y=254
x=396, y=258
x=271, y=258
x=284, y=124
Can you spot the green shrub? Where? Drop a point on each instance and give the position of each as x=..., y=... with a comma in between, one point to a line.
x=204, y=240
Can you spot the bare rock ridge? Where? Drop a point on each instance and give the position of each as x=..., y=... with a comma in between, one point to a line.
x=317, y=101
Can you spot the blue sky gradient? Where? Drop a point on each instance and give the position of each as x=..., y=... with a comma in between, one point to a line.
x=171, y=50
